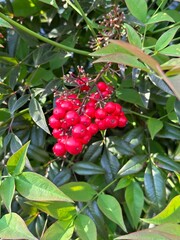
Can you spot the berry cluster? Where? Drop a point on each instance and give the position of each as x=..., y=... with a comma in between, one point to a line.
x=76, y=119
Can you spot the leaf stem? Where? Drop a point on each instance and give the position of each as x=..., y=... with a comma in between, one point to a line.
x=44, y=39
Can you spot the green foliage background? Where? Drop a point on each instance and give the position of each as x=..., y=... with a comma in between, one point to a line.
x=125, y=179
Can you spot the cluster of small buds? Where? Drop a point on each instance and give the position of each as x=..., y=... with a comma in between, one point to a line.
x=77, y=118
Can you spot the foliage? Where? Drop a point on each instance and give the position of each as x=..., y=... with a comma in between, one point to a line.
x=125, y=179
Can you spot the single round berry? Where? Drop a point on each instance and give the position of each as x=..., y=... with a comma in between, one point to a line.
x=79, y=131
x=93, y=128
x=91, y=104
x=110, y=107
x=54, y=122
x=59, y=112
x=85, y=120
x=59, y=149
x=111, y=121
x=102, y=86
x=73, y=145
x=100, y=113
x=86, y=138
x=90, y=111
x=122, y=121
x=72, y=118
x=118, y=109
x=57, y=133
x=66, y=105
x=102, y=125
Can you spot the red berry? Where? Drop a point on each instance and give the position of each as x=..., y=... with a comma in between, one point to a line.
x=91, y=104
x=111, y=121
x=73, y=145
x=79, y=131
x=94, y=97
x=63, y=139
x=100, y=113
x=102, y=124
x=93, y=128
x=59, y=112
x=72, y=118
x=122, y=121
x=110, y=107
x=66, y=105
x=85, y=120
x=90, y=111
x=59, y=149
x=106, y=94
x=57, y=133
x=86, y=138
x=54, y=122
x=102, y=86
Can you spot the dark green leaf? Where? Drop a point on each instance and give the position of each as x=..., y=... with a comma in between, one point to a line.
x=50, y=2
x=111, y=209
x=62, y=177
x=4, y=114
x=177, y=109
x=166, y=163
x=12, y=226
x=135, y=201
x=59, y=230
x=154, y=184
x=138, y=9
x=121, y=146
x=19, y=103
x=87, y=168
x=171, y=214
x=16, y=162
x=7, y=189
x=154, y=126
x=78, y=191
x=134, y=165
x=38, y=188
x=85, y=227
x=37, y=114
x=93, y=152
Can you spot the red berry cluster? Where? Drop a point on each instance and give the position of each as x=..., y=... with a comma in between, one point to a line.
x=76, y=119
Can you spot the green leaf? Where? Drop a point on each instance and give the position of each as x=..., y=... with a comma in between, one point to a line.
x=16, y=162
x=135, y=201
x=78, y=191
x=130, y=95
x=12, y=226
x=38, y=188
x=5, y=24
x=4, y=114
x=37, y=114
x=166, y=163
x=166, y=38
x=163, y=232
x=85, y=227
x=19, y=103
x=25, y=8
x=7, y=189
x=50, y=2
x=173, y=50
x=133, y=37
x=111, y=209
x=87, y=168
x=123, y=182
x=134, y=165
x=64, y=211
x=138, y=9
x=59, y=230
x=177, y=108
x=154, y=184
x=159, y=17
x=154, y=126
x=93, y=152
x=123, y=58
x=109, y=49
x=171, y=214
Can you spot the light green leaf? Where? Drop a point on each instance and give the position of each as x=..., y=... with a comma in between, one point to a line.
x=134, y=165
x=85, y=227
x=163, y=232
x=160, y=17
x=37, y=114
x=59, y=230
x=154, y=126
x=133, y=37
x=12, y=226
x=154, y=184
x=7, y=189
x=173, y=50
x=38, y=188
x=63, y=211
x=78, y=191
x=171, y=214
x=111, y=209
x=165, y=38
x=5, y=24
x=50, y=2
x=123, y=182
x=16, y=162
x=138, y=9
x=135, y=201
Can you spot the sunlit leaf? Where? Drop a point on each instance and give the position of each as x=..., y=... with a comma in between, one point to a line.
x=7, y=189
x=138, y=9
x=160, y=17
x=173, y=50
x=154, y=126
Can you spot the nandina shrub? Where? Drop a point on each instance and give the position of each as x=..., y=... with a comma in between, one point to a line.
x=89, y=119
